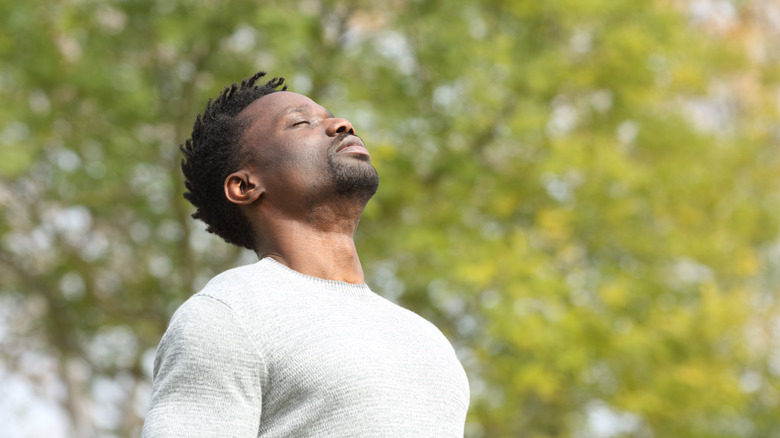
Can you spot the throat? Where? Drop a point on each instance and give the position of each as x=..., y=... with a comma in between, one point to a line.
x=326, y=255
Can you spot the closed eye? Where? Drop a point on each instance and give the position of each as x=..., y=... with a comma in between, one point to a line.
x=302, y=122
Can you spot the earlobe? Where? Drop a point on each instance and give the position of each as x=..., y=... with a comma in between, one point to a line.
x=243, y=188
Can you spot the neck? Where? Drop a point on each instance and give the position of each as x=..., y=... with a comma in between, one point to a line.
x=327, y=254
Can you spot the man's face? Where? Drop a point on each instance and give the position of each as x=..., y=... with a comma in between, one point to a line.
x=303, y=152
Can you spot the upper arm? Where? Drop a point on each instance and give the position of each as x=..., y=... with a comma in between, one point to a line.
x=207, y=376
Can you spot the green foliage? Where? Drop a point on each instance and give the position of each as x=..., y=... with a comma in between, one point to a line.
x=582, y=195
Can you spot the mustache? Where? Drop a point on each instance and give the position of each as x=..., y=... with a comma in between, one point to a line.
x=345, y=139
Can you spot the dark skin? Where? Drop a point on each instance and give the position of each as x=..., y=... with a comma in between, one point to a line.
x=289, y=193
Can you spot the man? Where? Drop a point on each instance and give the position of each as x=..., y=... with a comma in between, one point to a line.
x=296, y=344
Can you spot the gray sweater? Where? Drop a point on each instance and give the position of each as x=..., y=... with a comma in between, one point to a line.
x=266, y=351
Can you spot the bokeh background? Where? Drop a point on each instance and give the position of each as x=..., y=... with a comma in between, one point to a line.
x=583, y=195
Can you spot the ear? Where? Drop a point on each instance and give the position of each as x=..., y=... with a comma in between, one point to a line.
x=243, y=187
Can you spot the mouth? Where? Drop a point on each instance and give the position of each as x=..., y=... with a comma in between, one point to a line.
x=352, y=145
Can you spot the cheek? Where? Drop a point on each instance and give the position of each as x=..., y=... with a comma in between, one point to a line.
x=298, y=168
x=305, y=154
x=297, y=160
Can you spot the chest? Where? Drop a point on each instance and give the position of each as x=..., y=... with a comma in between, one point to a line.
x=345, y=357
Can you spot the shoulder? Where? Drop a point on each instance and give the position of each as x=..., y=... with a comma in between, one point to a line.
x=204, y=334
x=237, y=287
x=232, y=310
x=201, y=310
x=200, y=322
x=233, y=279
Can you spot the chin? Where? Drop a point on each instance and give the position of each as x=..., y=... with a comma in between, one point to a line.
x=355, y=179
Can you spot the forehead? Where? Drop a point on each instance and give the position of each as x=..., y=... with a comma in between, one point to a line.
x=272, y=107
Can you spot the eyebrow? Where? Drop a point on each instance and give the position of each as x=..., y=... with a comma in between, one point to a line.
x=303, y=109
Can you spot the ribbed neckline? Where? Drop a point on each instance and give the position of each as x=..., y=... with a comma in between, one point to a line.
x=339, y=286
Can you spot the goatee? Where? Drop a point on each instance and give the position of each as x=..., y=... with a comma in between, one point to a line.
x=354, y=178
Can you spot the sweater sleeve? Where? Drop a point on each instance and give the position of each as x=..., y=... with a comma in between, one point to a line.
x=207, y=376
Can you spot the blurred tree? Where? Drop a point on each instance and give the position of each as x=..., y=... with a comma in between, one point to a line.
x=583, y=195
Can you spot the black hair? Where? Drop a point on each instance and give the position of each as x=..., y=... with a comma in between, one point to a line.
x=214, y=151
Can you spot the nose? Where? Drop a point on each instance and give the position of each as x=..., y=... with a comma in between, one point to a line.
x=339, y=126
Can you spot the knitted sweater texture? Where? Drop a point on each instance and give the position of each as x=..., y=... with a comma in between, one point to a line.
x=266, y=351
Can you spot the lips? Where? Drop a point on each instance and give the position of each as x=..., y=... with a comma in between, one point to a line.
x=352, y=145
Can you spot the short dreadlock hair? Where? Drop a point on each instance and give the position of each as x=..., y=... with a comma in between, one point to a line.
x=215, y=151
